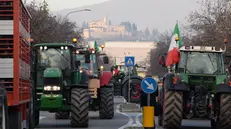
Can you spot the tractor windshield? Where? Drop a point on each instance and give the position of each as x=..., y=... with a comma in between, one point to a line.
x=54, y=57
x=94, y=64
x=202, y=63
x=83, y=65
x=88, y=66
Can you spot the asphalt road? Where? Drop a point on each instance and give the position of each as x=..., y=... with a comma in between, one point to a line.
x=48, y=121
x=120, y=121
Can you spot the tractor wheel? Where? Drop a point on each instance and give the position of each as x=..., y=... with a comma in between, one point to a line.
x=172, y=110
x=62, y=115
x=29, y=116
x=135, y=90
x=4, y=123
x=160, y=99
x=106, y=103
x=224, y=118
x=36, y=115
x=79, y=107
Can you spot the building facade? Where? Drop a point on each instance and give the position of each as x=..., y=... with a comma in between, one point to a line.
x=118, y=50
x=102, y=28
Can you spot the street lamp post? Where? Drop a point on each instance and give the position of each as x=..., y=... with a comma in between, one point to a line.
x=76, y=12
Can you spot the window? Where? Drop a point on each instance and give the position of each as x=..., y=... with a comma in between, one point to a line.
x=54, y=57
x=203, y=63
x=83, y=65
x=94, y=65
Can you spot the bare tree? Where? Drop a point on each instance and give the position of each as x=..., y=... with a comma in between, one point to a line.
x=161, y=48
x=47, y=28
x=211, y=24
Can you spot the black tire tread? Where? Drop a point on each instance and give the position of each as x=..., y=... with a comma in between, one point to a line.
x=106, y=103
x=61, y=115
x=125, y=90
x=79, y=107
x=173, y=110
x=36, y=115
x=225, y=112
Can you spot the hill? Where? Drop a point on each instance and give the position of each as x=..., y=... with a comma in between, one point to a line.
x=161, y=14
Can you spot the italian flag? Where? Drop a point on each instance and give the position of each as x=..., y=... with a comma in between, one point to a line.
x=173, y=55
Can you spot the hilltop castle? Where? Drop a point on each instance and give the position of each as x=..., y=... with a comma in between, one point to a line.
x=102, y=28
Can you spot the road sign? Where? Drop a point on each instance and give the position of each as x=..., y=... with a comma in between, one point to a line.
x=149, y=85
x=129, y=61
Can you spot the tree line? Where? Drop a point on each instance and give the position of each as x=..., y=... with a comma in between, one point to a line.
x=47, y=28
x=208, y=26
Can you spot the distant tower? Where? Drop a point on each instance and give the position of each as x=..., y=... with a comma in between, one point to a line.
x=105, y=20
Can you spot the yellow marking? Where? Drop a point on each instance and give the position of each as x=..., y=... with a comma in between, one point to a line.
x=148, y=116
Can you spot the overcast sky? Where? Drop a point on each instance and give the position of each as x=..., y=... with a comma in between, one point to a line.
x=56, y=5
x=158, y=14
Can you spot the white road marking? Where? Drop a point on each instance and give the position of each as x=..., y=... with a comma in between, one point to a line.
x=130, y=118
x=42, y=117
x=138, y=119
x=131, y=121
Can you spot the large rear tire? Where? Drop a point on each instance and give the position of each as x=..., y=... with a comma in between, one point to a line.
x=224, y=118
x=106, y=103
x=79, y=107
x=37, y=116
x=135, y=90
x=4, y=110
x=172, y=110
x=62, y=115
x=160, y=100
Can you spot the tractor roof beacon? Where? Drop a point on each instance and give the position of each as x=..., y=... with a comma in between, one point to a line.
x=199, y=88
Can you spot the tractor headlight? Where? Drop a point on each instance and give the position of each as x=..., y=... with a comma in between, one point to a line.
x=56, y=88
x=52, y=88
x=47, y=88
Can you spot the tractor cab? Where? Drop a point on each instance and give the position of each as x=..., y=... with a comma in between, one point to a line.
x=94, y=65
x=52, y=64
x=53, y=70
x=92, y=69
x=209, y=60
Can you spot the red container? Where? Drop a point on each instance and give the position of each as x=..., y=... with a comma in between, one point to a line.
x=15, y=54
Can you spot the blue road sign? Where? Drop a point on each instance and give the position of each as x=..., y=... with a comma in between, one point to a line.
x=149, y=85
x=129, y=61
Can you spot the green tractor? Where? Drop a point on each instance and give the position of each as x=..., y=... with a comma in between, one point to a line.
x=59, y=86
x=98, y=80
x=121, y=83
x=198, y=89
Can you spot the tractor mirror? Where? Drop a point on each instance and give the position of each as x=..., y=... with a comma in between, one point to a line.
x=87, y=57
x=105, y=60
x=77, y=63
